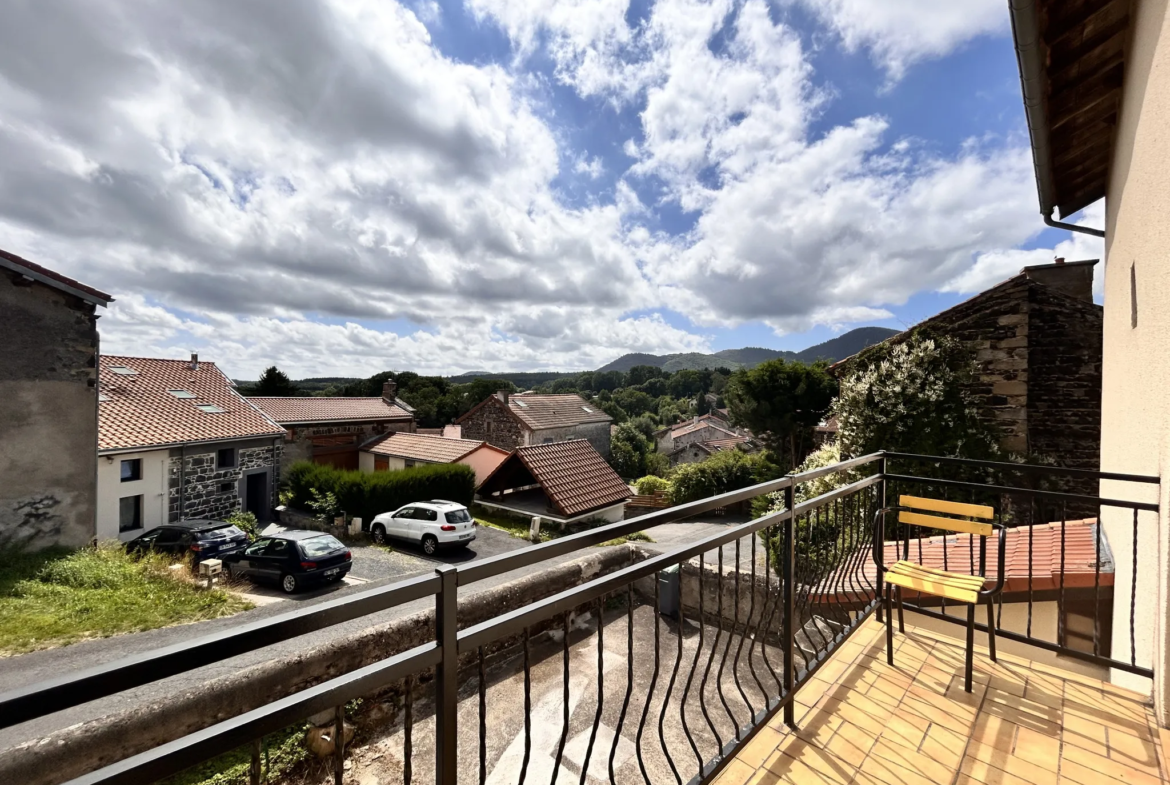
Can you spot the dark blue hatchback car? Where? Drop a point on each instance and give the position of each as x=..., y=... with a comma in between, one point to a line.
x=292, y=560
x=199, y=539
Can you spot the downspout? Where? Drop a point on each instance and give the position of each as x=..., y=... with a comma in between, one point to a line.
x=1030, y=53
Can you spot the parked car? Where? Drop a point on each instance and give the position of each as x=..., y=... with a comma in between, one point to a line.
x=201, y=539
x=292, y=559
x=432, y=524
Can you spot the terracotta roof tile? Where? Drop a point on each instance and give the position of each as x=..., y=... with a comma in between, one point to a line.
x=422, y=447
x=706, y=421
x=136, y=410
x=297, y=411
x=574, y=476
x=555, y=411
x=54, y=279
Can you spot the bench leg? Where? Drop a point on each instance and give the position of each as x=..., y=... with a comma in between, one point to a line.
x=970, y=647
x=889, y=626
x=991, y=627
x=901, y=617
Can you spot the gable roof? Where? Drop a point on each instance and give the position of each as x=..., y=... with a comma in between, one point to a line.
x=136, y=410
x=706, y=421
x=302, y=411
x=572, y=474
x=539, y=412
x=422, y=447
x=54, y=279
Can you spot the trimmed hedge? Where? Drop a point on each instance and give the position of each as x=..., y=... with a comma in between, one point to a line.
x=365, y=494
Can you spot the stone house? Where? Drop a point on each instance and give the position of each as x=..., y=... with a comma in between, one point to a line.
x=561, y=482
x=511, y=421
x=176, y=441
x=332, y=430
x=695, y=452
x=1037, y=341
x=48, y=406
x=702, y=428
x=402, y=450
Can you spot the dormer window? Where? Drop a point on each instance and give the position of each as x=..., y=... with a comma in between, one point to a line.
x=182, y=393
x=210, y=408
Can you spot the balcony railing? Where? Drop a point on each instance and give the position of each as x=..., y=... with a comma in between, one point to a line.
x=706, y=643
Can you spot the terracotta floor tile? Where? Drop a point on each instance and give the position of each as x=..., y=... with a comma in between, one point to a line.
x=998, y=732
x=1087, y=735
x=1010, y=763
x=760, y=747
x=735, y=773
x=798, y=760
x=960, y=722
x=1095, y=770
x=1109, y=719
x=912, y=761
x=1037, y=749
x=1044, y=695
x=1129, y=750
x=890, y=774
x=976, y=772
x=905, y=730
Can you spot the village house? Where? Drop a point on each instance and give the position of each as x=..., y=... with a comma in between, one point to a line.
x=511, y=421
x=562, y=483
x=694, y=452
x=177, y=441
x=402, y=450
x=48, y=383
x=701, y=428
x=1037, y=342
x=332, y=430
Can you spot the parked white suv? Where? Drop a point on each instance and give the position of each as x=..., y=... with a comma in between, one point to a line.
x=431, y=524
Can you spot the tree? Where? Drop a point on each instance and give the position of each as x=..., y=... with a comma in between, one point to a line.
x=913, y=397
x=688, y=383
x=634, y=402
x=782, y=402
x=640, y=374
x=628, y=451
x=274, y=383
x=724, y=471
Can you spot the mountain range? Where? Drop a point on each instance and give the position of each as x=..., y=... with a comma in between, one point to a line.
x=838, y=348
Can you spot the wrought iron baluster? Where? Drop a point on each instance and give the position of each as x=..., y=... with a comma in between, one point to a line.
x=649, y=689
x=527, y=709
x=617, y=731
x=742, y=633
x=710, y=657
x=564, y=697
x=682, y=704
x=408, y=732
x=666, y=698
x=1097, y=589
x=1132, y=589
x=600, y=687
x=726, y=651
x=1061, y=633
x=1031, y=526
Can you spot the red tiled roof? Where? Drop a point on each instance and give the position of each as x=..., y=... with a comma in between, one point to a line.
x=298, y=411
x=54, y=279
x=572, y=474
x=135, y=410
x=718, y=445
x=538, y=412
x=422, y=447
x=706, y=421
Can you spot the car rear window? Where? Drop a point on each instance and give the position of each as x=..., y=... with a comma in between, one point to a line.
x=319, y=546
x=222, y=533
x=458, y=516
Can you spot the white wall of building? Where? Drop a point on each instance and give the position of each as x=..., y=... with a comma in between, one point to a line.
x=152, y=487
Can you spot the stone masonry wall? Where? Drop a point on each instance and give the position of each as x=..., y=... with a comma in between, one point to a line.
x=207, y=492
x=494, y=424
x=597, y=434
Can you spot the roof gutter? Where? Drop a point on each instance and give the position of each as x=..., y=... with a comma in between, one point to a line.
x=1030, y=54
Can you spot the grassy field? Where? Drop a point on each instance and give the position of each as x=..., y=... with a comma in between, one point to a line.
x=55, y=597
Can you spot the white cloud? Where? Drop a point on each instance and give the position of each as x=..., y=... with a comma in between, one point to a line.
x=999, y=265
x=592, y=167
x=899, y=33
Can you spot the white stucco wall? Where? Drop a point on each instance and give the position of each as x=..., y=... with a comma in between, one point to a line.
x=366, y=462
x=152, y=487
x=1135, y=405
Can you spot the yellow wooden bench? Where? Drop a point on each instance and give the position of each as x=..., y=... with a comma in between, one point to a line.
x=904, y=574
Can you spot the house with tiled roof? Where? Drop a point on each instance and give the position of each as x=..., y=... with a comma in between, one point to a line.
x=48, y=418
x=694, y=452
x=332, y=430
x=701, y=437
x=402, y=450
x=562, y=483
x=177, y=441
x=511, y=421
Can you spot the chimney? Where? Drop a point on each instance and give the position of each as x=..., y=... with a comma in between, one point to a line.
x=503, y=396
x=389, y=391
x=1074, y=279
x=194, y=361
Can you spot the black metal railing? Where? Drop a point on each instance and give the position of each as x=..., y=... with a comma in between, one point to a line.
x=658, y=672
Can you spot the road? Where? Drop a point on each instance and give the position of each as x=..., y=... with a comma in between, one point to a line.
x=378, y=568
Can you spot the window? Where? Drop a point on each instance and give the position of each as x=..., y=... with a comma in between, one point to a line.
x=521, y=404
x=182, y=393
x=407, y=514
x=257, y=548
x=316, y=547
x=458, y=516
x=423, y=514
x=277, y=549
x=210, y=408
x=381, y=463
x=587, y=409
x=132, y=470
x=226, y=458
x=122, y=370
x=129, y=513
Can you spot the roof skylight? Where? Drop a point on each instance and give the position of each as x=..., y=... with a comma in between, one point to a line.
x=521, y=404
x=586, y=408
x=182, y=393
x=123, y=370
x=210, y=408
x=103, y=397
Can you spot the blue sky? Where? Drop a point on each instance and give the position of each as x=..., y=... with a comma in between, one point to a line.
x=516, y=184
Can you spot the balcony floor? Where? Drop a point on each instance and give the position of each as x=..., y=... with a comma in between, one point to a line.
x=1025, y=723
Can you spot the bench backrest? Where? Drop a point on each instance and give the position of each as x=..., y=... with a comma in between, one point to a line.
x=915, y=518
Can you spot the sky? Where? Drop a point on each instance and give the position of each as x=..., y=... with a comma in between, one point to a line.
x=342, y=187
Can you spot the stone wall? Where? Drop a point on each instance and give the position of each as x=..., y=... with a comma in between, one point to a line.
x=198, y=489
x=298, y=444
x=48, y=415
x=597, y=434
x=495, y=424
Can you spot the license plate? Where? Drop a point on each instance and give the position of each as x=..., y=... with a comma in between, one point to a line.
x=465, y=536
x=331, y=573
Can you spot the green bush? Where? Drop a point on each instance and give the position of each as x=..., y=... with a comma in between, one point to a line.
x=651, y=484
x=245, y=522
x=365, y=494
x=722, y=472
